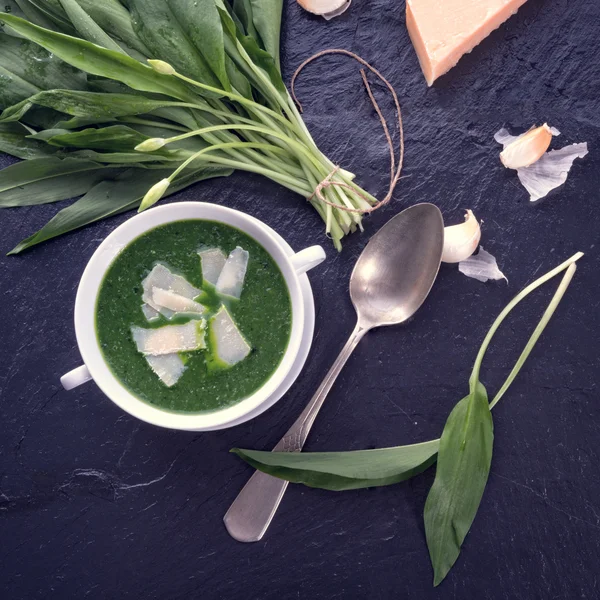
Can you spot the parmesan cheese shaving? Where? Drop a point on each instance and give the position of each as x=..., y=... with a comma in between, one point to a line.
x=150, y=313
x=170, y=338
x=229, y=344
x=212, y=261
x=161, y=277
x=231, y=278
x=176, y=303
x=168, y=367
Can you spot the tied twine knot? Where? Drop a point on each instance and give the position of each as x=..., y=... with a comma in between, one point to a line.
x=395, y=169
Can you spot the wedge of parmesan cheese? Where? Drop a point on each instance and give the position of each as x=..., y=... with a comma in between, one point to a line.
x=231, y=279
x=176, y=303
x=168, y=367
x=170, y=338
x=229, y=344
x=161, y=277
x=212, y=261
x=444, y=30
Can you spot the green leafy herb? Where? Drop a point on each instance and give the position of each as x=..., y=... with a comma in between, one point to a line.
x=200, y=78
x=463, y=453
x=463, y=466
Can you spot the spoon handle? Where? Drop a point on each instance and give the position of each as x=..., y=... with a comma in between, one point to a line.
x=251, y=512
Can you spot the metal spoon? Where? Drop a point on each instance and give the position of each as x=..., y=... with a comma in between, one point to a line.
x=390, y=281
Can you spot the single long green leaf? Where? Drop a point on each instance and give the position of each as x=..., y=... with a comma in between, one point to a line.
x=97, y=104
x=115, y=19
x=237, y=79
x=55, y=17
x=202, y=24
x=128, y=158
x=31, y=63
x=161, y=31
x=110, y=198
x=14, y=141
x=11, y=6
x=266, y=15
x=181, y=116
x=99, y=61
x=463, y=466
x=78, y=122
x=263, y=60
x=242, y=9
x=86, y=27
x=50, y=179
x=339, y=471
x=116, y=138
x=15, y=112
x=247, y=56
x=13, y=89
x=41, y=16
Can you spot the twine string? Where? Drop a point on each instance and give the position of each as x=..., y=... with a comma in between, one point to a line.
x=395, y=169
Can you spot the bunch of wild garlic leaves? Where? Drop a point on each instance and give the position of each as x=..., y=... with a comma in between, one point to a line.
x=108, y=99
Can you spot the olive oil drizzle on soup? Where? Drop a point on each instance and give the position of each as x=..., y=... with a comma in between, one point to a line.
x=262, y=314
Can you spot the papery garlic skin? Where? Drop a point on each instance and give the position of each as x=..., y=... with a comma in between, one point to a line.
x=325, y=8
x=482, y=266
x=527, y=149
x=460, y=241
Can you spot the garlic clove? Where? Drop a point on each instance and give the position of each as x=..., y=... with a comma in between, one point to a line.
x=328, y=9
x=528, y=148
x=460, y=241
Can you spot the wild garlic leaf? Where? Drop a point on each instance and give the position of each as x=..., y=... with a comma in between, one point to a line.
x=163, y=31
x=115, y=138
x=115, y=19
x=45, y=13
x=202, y=24
x=266, y=15
x=99, y=61
x=49, y=179
x=463, y=466
x=262, y=59
x=35, y=67
x=14, y=141
x=86, y=27
x=15, y=112
x=242, y=9
x=339, y=471
x=97, y=104
x=109, y=198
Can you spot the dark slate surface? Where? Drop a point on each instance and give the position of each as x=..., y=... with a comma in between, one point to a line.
x=94, y=504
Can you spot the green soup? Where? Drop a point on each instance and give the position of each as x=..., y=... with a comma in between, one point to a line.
x=262, y=314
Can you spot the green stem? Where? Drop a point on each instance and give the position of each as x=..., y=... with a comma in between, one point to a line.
x=524, y=293
x=290, y=182
x=242, y=127
x=240, y=99
x=560, y=292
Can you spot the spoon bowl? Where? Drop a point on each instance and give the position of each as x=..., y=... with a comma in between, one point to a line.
x=398, y=266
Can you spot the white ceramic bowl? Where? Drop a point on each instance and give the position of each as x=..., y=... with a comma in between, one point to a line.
x=95, y=366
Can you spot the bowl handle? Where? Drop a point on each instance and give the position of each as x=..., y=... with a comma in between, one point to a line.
x=75, y=377
x=307, y=259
